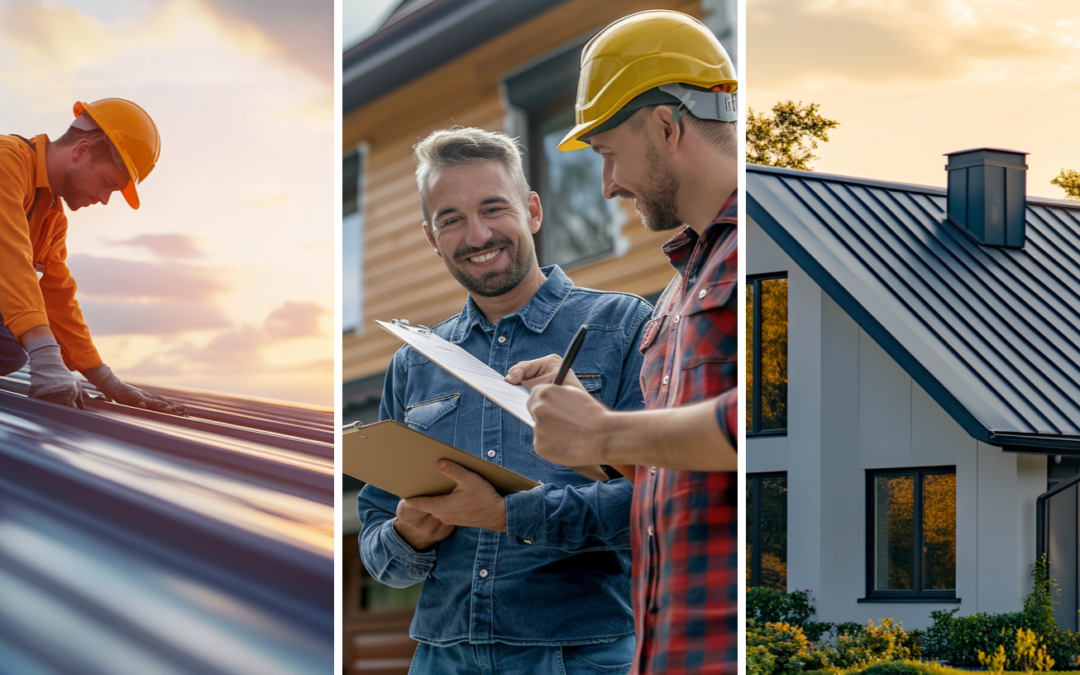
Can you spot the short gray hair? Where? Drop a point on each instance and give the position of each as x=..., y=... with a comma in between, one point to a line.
x=457, y=145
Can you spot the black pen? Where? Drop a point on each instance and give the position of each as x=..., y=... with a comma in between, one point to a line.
x=571, y=353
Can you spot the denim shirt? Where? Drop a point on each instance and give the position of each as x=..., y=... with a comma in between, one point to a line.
x=560, y=575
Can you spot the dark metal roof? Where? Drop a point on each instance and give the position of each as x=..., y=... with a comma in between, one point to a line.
x=419, y=36
x=993, y=335
x=137, y=542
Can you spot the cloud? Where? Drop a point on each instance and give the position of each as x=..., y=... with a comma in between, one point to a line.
x=151, y=318
x=294, y=320
x=882, y=42
x=303, y=32
x=165, y=245
x=115, y=277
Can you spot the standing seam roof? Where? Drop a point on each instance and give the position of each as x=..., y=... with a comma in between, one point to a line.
x=991, y=334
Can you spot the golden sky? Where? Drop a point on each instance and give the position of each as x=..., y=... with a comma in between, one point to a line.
x=223, y=279
x=909, y=80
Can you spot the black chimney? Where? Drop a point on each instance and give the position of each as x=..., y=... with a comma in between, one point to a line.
x=987, y=195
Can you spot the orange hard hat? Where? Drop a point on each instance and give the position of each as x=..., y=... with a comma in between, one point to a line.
x=132, y=132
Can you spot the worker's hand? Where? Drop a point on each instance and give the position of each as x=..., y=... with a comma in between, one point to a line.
x=419, y=529
x=473, y=503
x=540, y=371
x=50, y=379
x=570, y=425
x=102, y=377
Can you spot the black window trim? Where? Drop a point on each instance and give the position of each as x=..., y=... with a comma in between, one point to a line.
x=755, y=535
x=916, y=594
x=754, y=281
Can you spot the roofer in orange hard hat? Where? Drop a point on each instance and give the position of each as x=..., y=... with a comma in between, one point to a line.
x=656, y=100
x=112, y=146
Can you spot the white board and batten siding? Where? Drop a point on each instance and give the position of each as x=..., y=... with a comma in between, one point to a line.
x=852, y=408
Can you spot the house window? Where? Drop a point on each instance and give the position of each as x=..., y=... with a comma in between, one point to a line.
x=766, y=358
x=766, y=522
x=580, y=226
x=912, y=533
x=352, y=240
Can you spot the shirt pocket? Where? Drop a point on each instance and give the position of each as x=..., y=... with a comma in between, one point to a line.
x=710, y=326
x=591, y=382
x=436, y=417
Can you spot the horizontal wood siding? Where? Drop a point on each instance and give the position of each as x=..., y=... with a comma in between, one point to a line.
x=403, y=278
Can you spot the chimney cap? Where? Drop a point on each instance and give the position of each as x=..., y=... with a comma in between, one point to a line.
x=960, y=152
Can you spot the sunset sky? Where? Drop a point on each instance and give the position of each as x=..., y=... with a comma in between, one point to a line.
x=909, y=80
x=223, y=279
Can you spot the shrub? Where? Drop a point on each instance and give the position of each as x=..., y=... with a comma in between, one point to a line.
x=784, y=649
x=960, y=639
x=769, y=605
x=873, y=644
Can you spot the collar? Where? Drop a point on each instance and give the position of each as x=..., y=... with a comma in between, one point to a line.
x=536, y=314
x=680, y=247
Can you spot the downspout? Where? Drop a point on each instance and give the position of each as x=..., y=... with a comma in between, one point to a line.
x=1042, y=506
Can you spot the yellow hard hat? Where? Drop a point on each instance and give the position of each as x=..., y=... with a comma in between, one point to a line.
x=132, y=132
x=641, y=52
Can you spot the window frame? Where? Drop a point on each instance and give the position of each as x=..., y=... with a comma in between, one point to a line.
x=362, y=150
x=532, y=93
x=917, y=594
x=754, y=535
x=753, y=281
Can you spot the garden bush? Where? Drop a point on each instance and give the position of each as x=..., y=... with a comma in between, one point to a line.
x=778, y=648
x=959, y=639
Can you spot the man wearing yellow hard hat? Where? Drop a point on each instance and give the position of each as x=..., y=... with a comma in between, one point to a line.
x=656, y=100
x=112, y=146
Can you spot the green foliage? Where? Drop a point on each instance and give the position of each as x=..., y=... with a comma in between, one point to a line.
x=769, y=605
x=786, y=649
x=1069, y=181
x=789, y=137
x=872, y=644
x=959, y=639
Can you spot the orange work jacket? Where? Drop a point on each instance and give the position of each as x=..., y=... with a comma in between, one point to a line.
x=33, y=238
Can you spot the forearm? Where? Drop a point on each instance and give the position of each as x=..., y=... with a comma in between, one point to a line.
x=36, y=332
x=686, y=438
x=390, y=559
x=573, y=518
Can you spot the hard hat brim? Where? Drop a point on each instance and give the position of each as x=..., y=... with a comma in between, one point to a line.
x=129, y=192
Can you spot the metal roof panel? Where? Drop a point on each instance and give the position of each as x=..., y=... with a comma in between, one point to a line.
x=992, y=334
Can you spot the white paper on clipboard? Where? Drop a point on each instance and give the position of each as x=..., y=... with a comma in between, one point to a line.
x=461, y=364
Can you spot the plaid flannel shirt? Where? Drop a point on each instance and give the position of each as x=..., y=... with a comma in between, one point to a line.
x=685, y=522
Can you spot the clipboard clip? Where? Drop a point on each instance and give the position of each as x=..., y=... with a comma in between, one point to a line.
x=404, y=323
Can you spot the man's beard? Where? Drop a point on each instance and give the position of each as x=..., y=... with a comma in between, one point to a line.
x=659, y=207
x=494, y=283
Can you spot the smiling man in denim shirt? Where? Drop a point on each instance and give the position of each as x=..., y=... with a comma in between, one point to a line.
x=539, y=581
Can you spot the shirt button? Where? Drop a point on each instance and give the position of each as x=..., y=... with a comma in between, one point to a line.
x=666, y=378
x=491, y=453
x=502, y=339
x=651, y=531
x=676, y=318
x=483, y=573
x=702, y=294
x=653, y=470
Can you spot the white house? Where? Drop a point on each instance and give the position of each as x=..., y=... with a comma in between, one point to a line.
x=928, y=392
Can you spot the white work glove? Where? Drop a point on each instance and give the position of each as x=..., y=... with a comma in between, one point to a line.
x=50, y=379
x=102, y=377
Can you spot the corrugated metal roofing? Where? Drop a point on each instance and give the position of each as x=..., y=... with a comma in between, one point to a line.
x=993, y=335
x=137, y=542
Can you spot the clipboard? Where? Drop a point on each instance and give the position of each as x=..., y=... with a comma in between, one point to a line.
x=395, y=458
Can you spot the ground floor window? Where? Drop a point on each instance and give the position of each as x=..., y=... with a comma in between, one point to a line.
x=911, y=522
x=766, y=522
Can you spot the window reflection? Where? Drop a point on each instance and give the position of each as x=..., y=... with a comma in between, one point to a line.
x=579, y=224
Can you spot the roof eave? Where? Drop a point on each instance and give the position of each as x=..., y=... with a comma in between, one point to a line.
x=425, y=39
